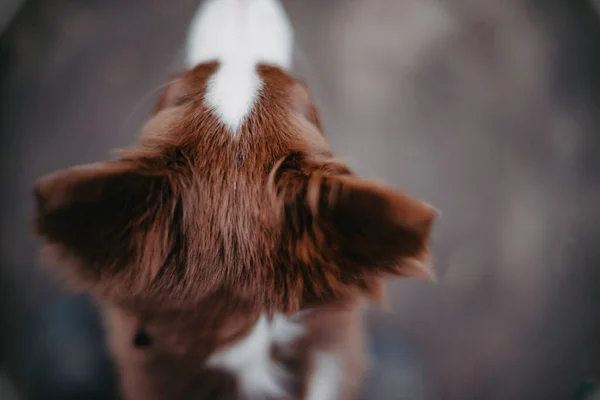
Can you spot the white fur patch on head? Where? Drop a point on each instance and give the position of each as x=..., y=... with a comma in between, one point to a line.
x=325, y=378
x=240, y=35
x=250, y=358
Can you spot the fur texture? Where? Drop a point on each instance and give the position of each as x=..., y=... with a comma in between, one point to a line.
x=232, y=266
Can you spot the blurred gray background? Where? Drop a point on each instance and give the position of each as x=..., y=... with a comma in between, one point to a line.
x=488, y=109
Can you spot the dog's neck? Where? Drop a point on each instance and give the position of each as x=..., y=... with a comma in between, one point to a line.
x=273, y=357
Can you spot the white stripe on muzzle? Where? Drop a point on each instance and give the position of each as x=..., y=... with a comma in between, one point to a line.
x=239, y=34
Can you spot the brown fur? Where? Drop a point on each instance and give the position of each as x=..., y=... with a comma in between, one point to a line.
x=192, y=234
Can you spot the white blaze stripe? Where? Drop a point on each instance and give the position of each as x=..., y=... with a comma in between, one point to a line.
x=239, y=34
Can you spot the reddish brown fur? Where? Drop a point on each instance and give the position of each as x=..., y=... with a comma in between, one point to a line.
x=193, y=234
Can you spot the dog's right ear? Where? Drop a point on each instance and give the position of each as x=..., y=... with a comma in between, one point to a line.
x=107, y=222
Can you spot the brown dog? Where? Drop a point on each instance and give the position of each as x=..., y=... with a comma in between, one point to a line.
x=229, y=250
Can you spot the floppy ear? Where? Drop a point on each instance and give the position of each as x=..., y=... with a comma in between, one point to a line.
x=350, y=231
x=106, y=222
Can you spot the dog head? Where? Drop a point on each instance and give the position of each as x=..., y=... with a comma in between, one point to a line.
x=232, y=188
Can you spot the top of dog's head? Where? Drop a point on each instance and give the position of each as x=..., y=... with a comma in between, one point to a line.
x=253, y=207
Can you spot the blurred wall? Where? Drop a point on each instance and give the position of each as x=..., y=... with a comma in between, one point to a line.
x=8, y=9
x=486, y=109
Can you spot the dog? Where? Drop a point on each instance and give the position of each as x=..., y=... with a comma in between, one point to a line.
x=229, y=251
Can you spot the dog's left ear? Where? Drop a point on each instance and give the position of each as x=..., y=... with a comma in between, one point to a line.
x=348, y=231
x=375, y=225
x=107, y=222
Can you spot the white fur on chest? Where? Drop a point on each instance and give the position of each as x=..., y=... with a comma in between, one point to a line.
x=250, y=358
x=240, y=35
x=326, y=377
